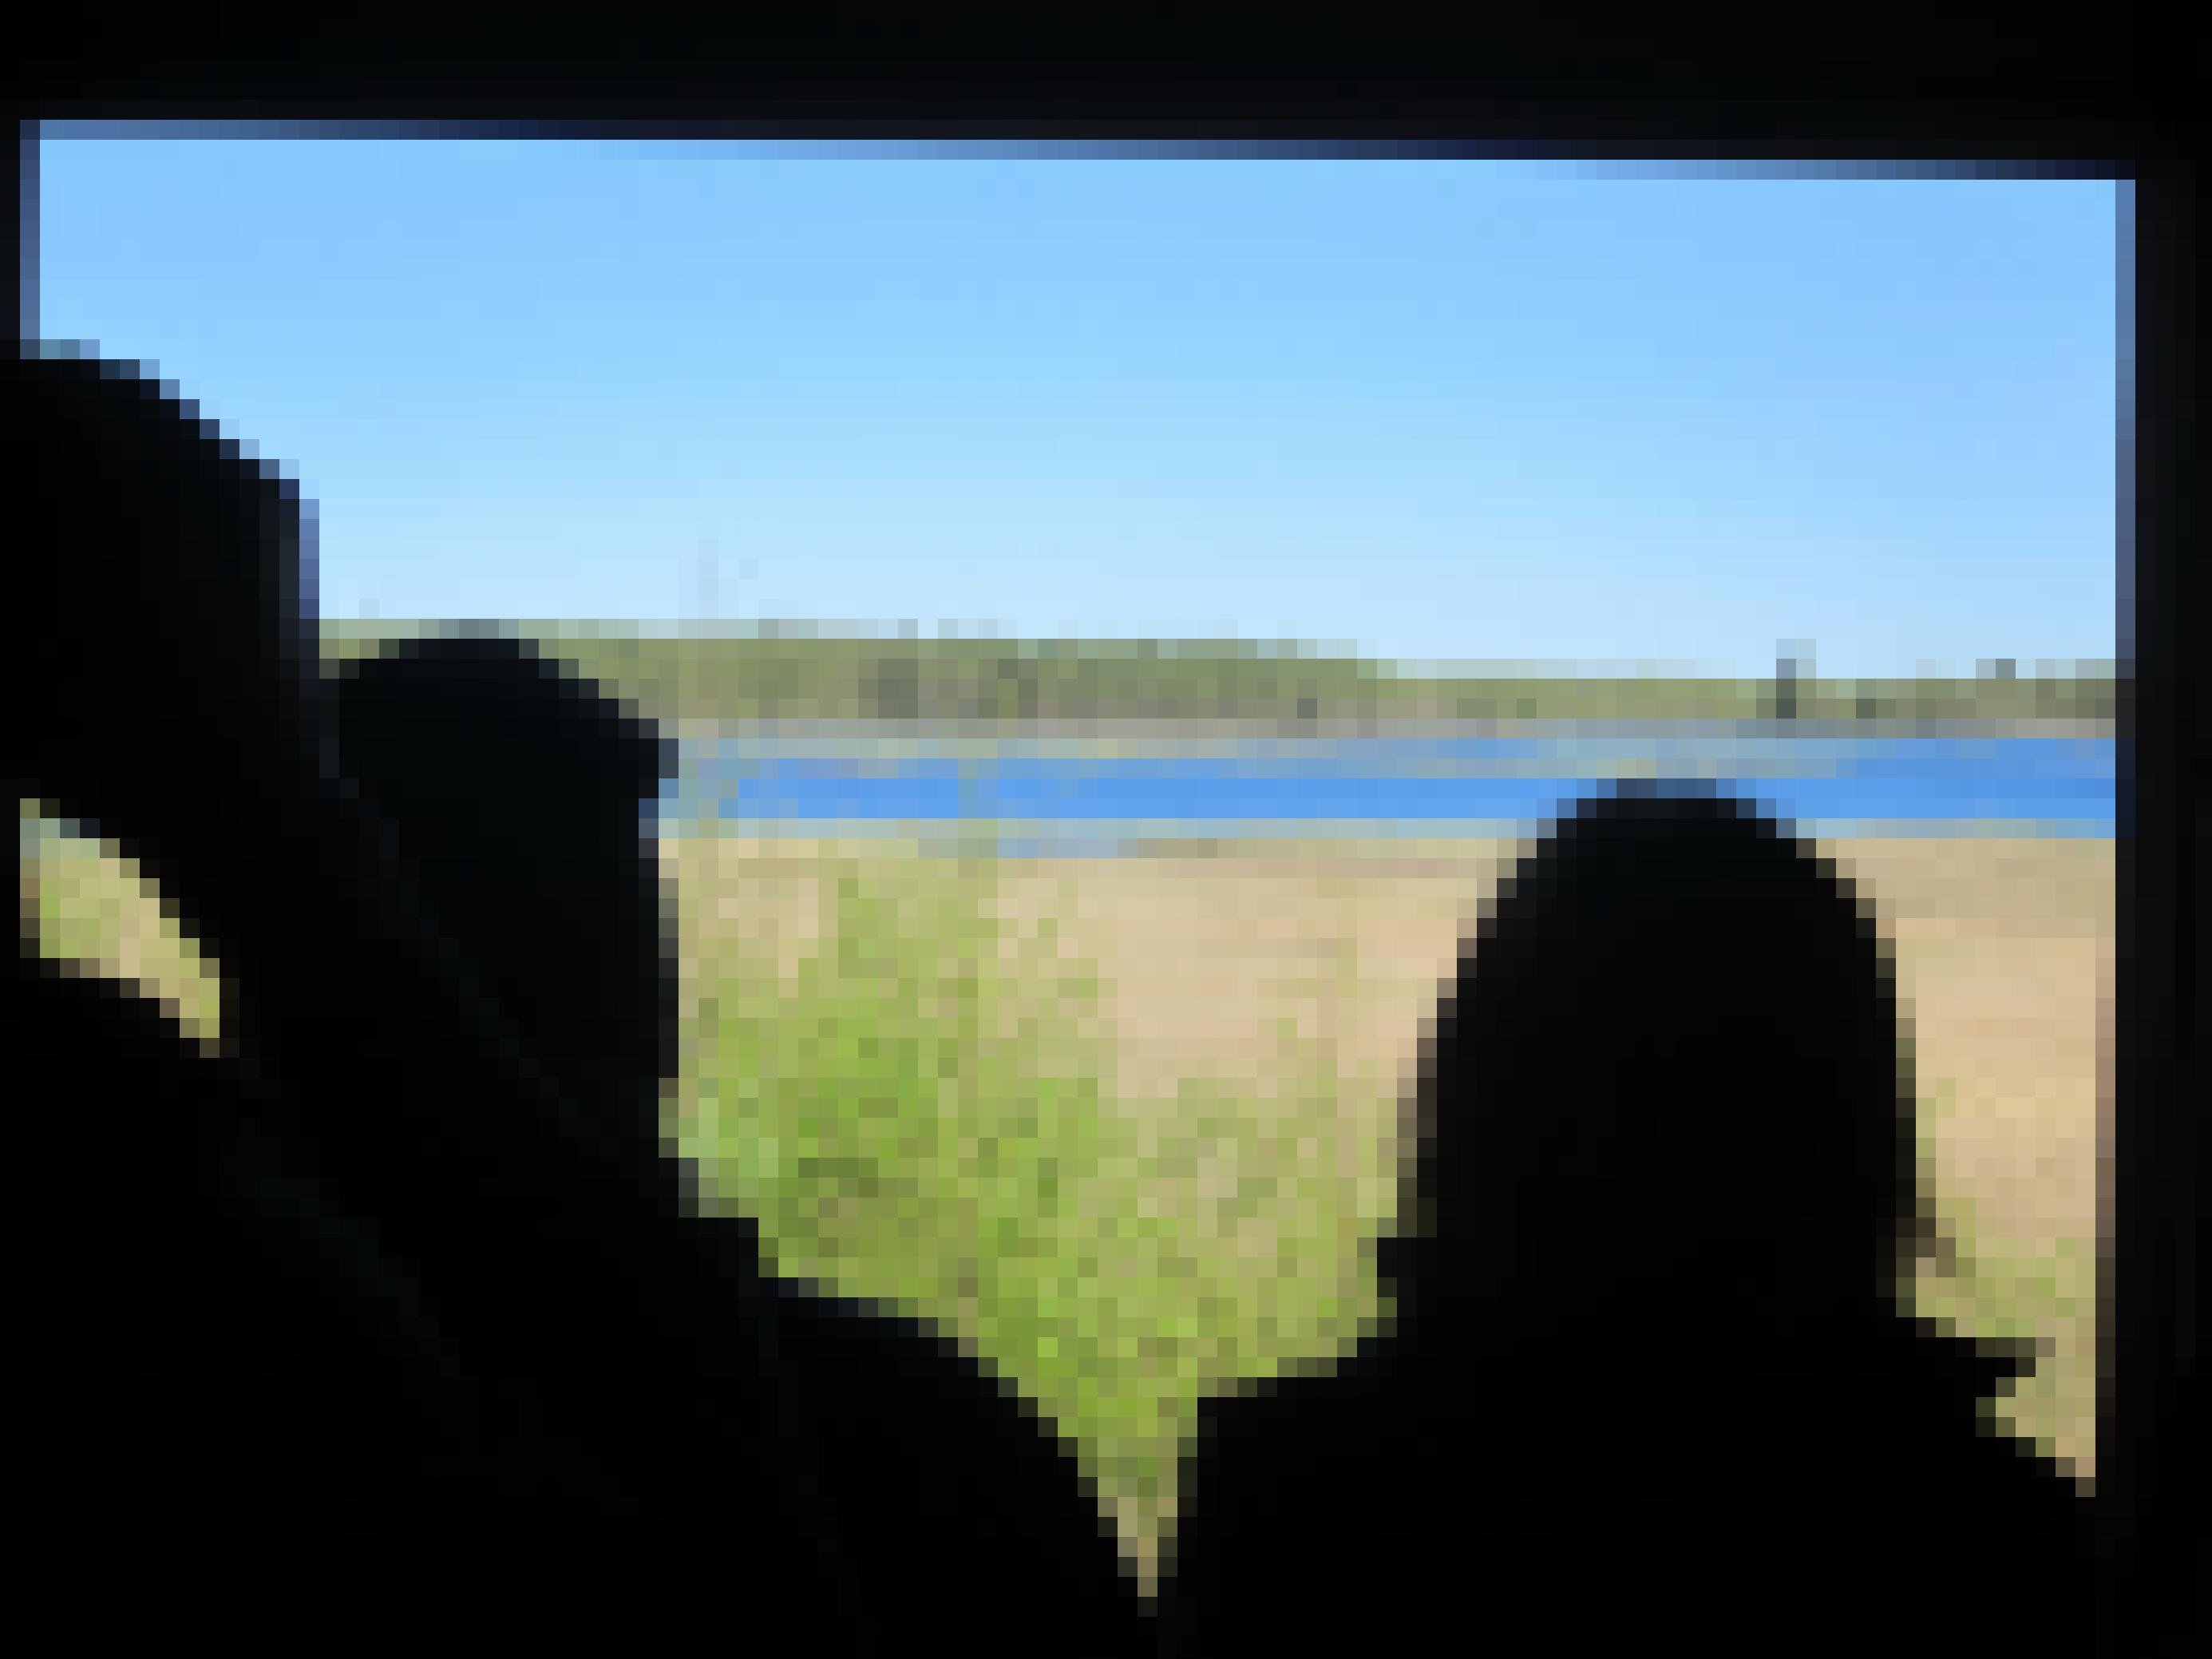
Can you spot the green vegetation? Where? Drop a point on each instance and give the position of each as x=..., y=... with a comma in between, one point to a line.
x=912, y=1122
x=1995, y=1289
x=916, y=1116
x=771, y=674
x=86, y=905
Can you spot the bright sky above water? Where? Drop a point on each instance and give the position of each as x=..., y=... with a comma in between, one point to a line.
x=1432, y=410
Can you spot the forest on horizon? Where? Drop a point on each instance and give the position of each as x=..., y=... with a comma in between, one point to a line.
x=792, y=673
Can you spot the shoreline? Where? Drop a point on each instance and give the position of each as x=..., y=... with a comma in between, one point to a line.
x=1082, y=844
x=1179, y=736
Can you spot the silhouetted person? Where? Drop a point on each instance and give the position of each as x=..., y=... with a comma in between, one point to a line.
x=520, y=791
x=1651, y=1383
x=252, y=1415
x=349, y=1317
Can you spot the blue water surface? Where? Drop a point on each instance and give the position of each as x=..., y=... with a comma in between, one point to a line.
x=1429, y=787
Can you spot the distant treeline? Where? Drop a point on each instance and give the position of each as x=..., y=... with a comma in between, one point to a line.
x=802, y=676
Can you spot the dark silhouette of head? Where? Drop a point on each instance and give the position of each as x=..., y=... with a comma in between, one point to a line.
x=164, y=681
x=306, y=1213
x=1669, y=1102
x=1648, y=1368
x=517, y=788
x=520, y=791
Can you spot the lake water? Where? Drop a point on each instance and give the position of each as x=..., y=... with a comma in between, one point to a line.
x=1043, y=797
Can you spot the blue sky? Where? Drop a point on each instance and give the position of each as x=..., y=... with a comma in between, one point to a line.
x=1431, y=410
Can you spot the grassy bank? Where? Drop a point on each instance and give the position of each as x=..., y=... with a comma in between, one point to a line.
x=918, y=1087
x=920, y=1108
